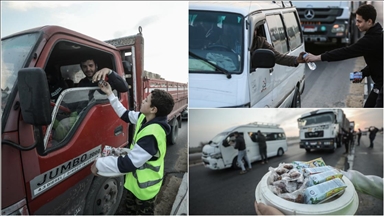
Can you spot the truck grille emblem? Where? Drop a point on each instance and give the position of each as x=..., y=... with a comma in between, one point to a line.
x=309, y=14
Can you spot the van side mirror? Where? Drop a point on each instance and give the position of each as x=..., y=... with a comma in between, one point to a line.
x=127, y=67
x=263, y=58
x=34, y=96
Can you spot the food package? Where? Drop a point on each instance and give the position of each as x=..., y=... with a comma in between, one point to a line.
x=112, y=151
x=323, y=191
x=315, y=170
x=287, y=182
x=323, y=177
x=300, y=165
x=290, y=181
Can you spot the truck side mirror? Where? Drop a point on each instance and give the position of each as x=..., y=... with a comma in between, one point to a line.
x=127, y=67
x=263, y=58
x=34, y=96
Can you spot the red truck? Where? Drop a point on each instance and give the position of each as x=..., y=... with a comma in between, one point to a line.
x=48, y=146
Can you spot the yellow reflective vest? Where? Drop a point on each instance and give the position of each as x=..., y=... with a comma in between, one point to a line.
x=145, y=182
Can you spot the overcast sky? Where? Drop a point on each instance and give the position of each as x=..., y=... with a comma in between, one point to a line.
x=164, y=24
x=204, y=124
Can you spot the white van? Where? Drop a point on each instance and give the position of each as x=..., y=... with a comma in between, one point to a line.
x=221, y=76
x=218, y=154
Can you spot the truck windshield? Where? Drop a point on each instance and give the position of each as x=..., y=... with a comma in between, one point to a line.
x=215, y=37
x=317, y=119
x=14, y=54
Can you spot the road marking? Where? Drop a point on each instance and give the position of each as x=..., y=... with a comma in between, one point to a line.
x=340, y=163
x=376, y=153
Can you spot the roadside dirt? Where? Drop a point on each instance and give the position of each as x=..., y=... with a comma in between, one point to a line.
x=168, y=192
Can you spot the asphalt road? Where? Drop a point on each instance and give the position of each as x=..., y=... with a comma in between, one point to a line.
x=329, y=84
x=173, y=151
x=227, y=192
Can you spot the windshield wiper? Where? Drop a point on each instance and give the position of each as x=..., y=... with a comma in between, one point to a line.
x=218, y=68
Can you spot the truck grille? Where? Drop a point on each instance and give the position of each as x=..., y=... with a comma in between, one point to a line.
x=314, y=134
x=320, y=15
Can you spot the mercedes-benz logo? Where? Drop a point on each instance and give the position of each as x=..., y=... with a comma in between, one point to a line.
x=309, y=14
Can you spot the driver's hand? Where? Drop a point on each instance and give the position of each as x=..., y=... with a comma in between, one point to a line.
x=300, y=58
x=105, y=87
x=100, y=75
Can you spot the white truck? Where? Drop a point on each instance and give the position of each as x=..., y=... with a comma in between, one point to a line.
x=328, y=21
x=322, y=129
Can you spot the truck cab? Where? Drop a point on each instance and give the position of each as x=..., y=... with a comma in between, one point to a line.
x=322, y=129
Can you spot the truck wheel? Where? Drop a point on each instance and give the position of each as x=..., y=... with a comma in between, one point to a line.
x=308, y=150
x=172, y=137
x=104, y=195
x=296, y=102
x=280, y=152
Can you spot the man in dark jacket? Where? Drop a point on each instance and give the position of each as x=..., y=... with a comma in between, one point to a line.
x=370, y=46
x=261, y=140
x=242, y=152
x=372, y=135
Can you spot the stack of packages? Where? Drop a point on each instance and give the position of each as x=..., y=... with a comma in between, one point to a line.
x=309, y=182
x=112, y=151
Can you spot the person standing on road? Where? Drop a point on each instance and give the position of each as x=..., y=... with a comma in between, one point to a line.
x=346, y=140
x=261, y=140
x=242, y=152
x=372, y=135
x=370, y=46
x=358, y=137
x=144, y=164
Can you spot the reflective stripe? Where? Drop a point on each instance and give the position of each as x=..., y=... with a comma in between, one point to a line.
x=149, y=166
x=146, y=184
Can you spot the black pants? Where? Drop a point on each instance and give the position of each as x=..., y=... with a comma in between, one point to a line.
x=358, y=139
x=375, y=99
x=263, y=153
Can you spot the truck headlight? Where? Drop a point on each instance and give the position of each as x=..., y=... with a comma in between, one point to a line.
x=216, y=155
x=338, y=28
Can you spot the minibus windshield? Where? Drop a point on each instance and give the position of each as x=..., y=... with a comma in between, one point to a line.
x=216, y=37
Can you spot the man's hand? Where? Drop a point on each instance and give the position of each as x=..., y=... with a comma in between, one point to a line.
x=312, y=58
x=300, y=58
x=94, y=169
x=100, y=75
x=262, y=209
x=105, y=87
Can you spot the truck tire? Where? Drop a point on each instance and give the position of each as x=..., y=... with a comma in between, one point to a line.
x=104, y=195
x=296, y=102
x=308, y=150
x=172, y=137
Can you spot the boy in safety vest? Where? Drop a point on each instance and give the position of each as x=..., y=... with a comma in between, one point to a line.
x=144, y=164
